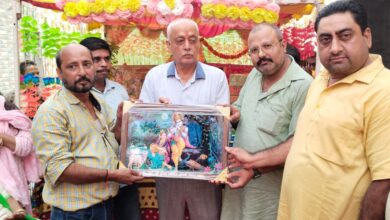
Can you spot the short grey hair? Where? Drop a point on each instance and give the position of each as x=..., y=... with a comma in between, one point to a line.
x=180, y=21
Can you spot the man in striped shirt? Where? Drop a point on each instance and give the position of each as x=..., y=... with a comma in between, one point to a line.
x=77, y=143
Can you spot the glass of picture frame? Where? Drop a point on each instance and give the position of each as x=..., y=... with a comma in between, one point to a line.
x=175, y=141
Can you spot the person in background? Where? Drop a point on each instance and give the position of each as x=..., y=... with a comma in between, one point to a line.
x=77, y=137
x=112, y=92
x=294, y=52
x=18, y=162
x=126, y=203
x=28, y=66
x=268, y=105
x=339, y=162
x=186, y=81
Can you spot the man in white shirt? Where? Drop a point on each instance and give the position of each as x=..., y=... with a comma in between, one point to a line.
x=186, y=81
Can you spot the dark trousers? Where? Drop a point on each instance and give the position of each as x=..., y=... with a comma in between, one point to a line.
x=100, y=211
x=126, y=204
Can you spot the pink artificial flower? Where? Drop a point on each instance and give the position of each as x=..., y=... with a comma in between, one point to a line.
x=87, y=19
x=98, y=18
x=138, y=14
x=123, y=14
x=110, y=17
x=75, y=20
x=60, y=4
x=152, y=6
x=188, y=11
x=273, y=7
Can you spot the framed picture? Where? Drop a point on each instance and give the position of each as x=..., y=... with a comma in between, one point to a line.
x=175, y=141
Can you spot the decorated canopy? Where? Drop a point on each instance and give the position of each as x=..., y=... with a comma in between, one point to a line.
x=213, y=16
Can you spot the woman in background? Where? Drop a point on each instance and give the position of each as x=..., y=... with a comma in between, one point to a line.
x=18, y=163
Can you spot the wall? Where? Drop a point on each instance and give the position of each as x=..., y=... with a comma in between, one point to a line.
x=8, y=46
x=379, y=21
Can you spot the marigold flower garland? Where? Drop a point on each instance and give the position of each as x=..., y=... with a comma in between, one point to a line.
x=101, y=10
x=239, y=13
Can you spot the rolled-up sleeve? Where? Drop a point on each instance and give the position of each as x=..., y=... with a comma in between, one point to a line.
x=52, y=139
x=23, y=143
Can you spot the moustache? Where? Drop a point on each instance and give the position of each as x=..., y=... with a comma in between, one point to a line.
x=102, y=70
x=263, y=59
x=84, y=78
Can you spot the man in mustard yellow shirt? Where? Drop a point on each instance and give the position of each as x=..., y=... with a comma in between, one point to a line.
x=338, y=166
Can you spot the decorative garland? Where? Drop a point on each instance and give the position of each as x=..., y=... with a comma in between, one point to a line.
x=101, y=10
x=221, y=55
x=304, y=39
x=239, y=14
x=168, y=10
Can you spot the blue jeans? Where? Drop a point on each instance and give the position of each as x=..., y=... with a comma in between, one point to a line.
x=100, y=211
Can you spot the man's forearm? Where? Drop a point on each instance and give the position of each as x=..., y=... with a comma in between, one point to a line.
x=273, y=157
x=79, y=174
x=374, y=202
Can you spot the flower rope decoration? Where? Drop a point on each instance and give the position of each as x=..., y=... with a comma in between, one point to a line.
x=166, y=11
x=102, y=11
x=221, y=55
x=239, y=13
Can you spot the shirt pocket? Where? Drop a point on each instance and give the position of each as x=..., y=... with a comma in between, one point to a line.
x=335, y=143
x=271, y=120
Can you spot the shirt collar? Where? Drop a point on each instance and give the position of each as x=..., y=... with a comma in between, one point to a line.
x=293, y=73
x=365, y=74
x=109, y=86
x=73, y=100
x=199, y=72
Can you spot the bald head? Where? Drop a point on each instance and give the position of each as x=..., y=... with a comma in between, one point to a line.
x=180, y=22
x=263, y=26
x=70, y=49
x=75, y=68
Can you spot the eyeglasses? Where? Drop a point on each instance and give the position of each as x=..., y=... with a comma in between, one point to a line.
x=265, y=48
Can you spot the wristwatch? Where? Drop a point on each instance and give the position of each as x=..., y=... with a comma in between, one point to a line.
x=256, y=174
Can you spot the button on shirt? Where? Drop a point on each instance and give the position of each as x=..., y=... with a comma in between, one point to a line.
x=201, y=89
x=114, y=93
x=340, y=146
x=64, y=132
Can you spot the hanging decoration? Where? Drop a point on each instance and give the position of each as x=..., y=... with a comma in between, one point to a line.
x=102, y=11
x=233, y=14
x=301, y=38
x=32, y=96
x=239, y=14
x=221, y=55
x=166, y=11
x=30, y=35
